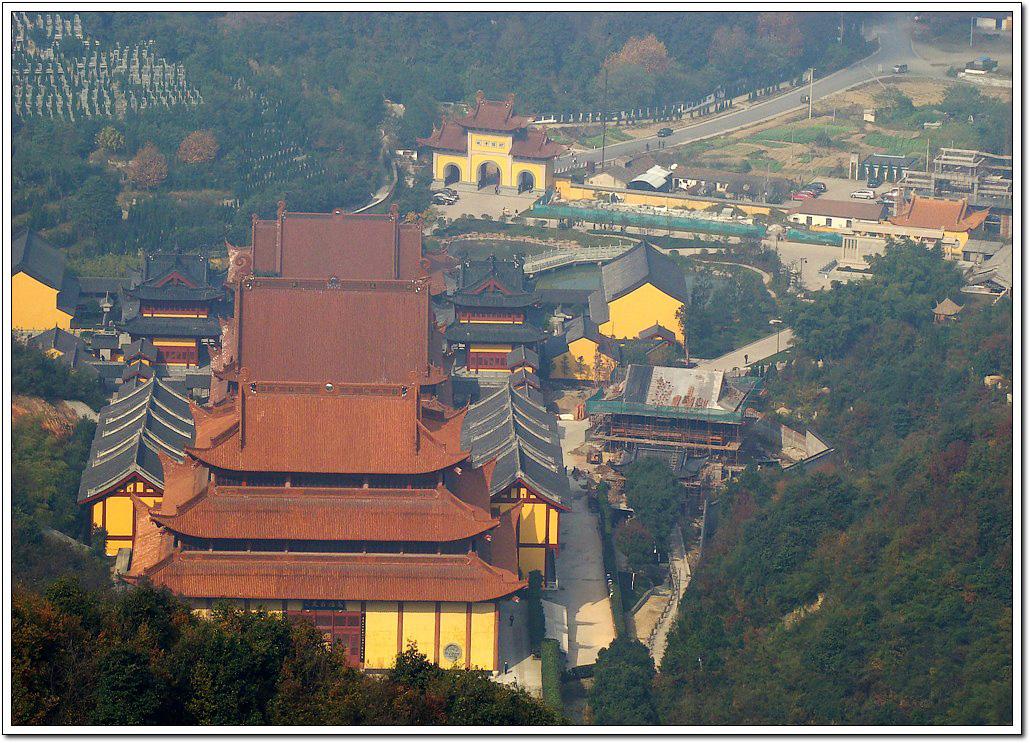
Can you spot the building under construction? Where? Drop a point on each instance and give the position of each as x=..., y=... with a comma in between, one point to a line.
x=696, y=410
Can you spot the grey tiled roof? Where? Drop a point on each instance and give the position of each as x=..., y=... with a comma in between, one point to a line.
x=523, y=437
x=641, y=265
x=33, y=255
x=131, y=431
x=493, y=333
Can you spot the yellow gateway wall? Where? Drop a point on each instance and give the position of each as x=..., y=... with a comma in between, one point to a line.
x=569, y=366
x=34, y=305
x=640, y=309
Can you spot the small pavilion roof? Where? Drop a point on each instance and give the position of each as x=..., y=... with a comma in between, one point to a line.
x=947, y=308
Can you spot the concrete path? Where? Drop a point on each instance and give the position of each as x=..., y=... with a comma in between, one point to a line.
x=581, y=583
x=754, y=352
x=513, y=649
x=680, y=571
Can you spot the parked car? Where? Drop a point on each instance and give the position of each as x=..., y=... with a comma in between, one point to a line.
x=864, y=193
x=449, y=191
x=444, y=198
x=900, y=69
x=874, y=181
x=802, y=196
x=817, y=187
x=665, y=132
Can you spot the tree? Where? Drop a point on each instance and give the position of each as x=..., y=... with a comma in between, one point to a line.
x=622, y=693
x=646, y=52
x=636, y=543
x=149, y=168
x=110, y=139
x=94, y=208
x=198, y=147
x=420, y=114
x=655, y=495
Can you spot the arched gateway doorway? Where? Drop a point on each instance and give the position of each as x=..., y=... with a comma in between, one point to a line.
x=526, y=181
x=451, y=174
x=489, y=175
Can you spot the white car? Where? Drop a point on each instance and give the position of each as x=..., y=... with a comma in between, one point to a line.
x=864, y=193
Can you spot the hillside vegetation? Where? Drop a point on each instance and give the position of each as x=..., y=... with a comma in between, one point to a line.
x=294, y=105
x=879, y=593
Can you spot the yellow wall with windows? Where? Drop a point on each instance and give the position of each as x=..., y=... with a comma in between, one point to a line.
x=34, y=305
x=640, y=309
x=570, y=191
x=496, y=149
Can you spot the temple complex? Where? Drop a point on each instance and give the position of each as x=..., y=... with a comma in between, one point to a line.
x=492, y=148
x=328, y=477
x=497, y=319
x=174, y=305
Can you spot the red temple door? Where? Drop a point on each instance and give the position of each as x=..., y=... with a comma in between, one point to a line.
x=341, y=629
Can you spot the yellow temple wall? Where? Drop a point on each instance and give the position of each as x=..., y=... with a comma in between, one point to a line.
x=639, y=310
x=34, y=305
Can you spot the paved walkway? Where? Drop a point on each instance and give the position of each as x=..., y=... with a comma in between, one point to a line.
x=581, y=584
x=754, y=352
x=680, y=570
x=513, y=649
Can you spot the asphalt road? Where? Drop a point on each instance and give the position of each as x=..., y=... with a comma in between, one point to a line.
x=895, y=48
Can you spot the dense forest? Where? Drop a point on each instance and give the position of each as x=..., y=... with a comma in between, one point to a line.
x=140, y=657
x=879, y=592
x=293, y=105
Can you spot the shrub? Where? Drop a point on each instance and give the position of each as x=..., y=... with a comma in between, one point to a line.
x=535, y=611
x=551, y=674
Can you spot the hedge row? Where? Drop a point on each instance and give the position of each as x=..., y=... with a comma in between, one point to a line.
x=551, y=674
x=535, y=611
x=610, y=563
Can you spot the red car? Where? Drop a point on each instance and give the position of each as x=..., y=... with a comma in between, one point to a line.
x=802, y=195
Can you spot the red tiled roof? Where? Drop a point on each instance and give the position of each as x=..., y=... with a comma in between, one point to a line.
x=350, y=331
x=347, y=246
x=313, y=576
x=498, y=116
x=450, y=136
x=351, y=429
x=939, y=214
x=374, y=514
x=536, y=145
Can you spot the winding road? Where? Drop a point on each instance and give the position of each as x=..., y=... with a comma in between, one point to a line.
x=894, y=34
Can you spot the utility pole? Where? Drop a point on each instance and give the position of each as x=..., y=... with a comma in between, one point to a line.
x=604, y=116
x=842, y=28
x=811, y=85
x=972, y=19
